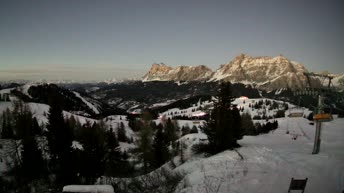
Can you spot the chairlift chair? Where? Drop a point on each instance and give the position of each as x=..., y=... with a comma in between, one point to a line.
x=323, y=116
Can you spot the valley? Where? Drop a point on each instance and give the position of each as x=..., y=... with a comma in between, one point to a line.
x=265, y=161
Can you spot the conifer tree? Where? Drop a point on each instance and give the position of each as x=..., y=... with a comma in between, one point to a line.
x=113, y=156
x=144, y=144
x=222, y=130
x=22, y=118
x=237, y=124
x=60, y=137
x=185, y=130
x=56, y=131
x=160, y=147
x=7, y=131
x=171, y=131
x=32, y=161
x=247, y=124
x=121, y=133
x=194, y=129
x=35, y=127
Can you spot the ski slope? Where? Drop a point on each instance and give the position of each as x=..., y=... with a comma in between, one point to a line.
x=266, y=163
x=90, y=105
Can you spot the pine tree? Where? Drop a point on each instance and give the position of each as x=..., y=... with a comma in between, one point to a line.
x=32, y=161
x=22, y=118
x=160, y=147
x=60, y=137
x=7, y=131
x=247, y=124
x=93, y=140
x=223, y=129
x=55, y=134
x=237, y=124
x=35, y=127
x=113, y=156
x=144, y=144
x=171, y=130
x=185, y=130
x=194, y=129
x=121, y=135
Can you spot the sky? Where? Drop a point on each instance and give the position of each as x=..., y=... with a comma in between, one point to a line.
x=105, y=39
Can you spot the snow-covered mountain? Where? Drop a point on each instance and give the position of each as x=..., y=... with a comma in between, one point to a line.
x=265, y=72
x=161, y=72
x=338, y=81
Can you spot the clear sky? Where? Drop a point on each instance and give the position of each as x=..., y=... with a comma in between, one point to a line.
x=102, y=39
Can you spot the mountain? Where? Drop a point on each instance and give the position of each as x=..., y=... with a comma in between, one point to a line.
x=338, y=81
x=161, y=72
x=71, y=101
x=264, y=72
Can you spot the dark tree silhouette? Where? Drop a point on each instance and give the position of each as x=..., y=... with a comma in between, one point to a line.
x=160, y=148
x=224, y=127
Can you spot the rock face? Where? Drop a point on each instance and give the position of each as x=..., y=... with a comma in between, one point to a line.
x=161, y=72
x=264, y=72
x=338, y=81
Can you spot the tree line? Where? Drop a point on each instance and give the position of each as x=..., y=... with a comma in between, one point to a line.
x=64, y=152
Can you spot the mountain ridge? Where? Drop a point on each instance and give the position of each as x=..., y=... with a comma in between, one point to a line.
x=265, y=72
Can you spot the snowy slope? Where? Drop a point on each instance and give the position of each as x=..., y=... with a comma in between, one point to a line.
x=266, y=163
x=40, y=111
x=90, y=105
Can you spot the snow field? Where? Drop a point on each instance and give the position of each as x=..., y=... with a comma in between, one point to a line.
x=266, y=163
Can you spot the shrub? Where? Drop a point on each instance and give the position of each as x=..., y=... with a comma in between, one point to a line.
x=280, y=113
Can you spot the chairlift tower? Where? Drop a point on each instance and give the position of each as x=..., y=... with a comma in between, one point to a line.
x=319, y=114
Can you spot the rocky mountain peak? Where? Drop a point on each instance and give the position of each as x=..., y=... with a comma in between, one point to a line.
x=264, y=71
x=159, y=68
x=161, y=72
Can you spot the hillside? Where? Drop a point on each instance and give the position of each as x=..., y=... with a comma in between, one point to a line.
x=72, y=101
x=263, y=163
x=266, y=163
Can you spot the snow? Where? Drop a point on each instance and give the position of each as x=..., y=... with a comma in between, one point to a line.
x=77, y=145
x=336, y=80
x=95, y=110
x=5, y=105
x=40, y=112
x=89, y=188
x=25, y=89
x=266, y=163
x=125, y=147
x=114, y=121
x=6, y=91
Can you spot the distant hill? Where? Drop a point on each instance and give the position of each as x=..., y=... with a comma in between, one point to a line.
x=77, y=103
